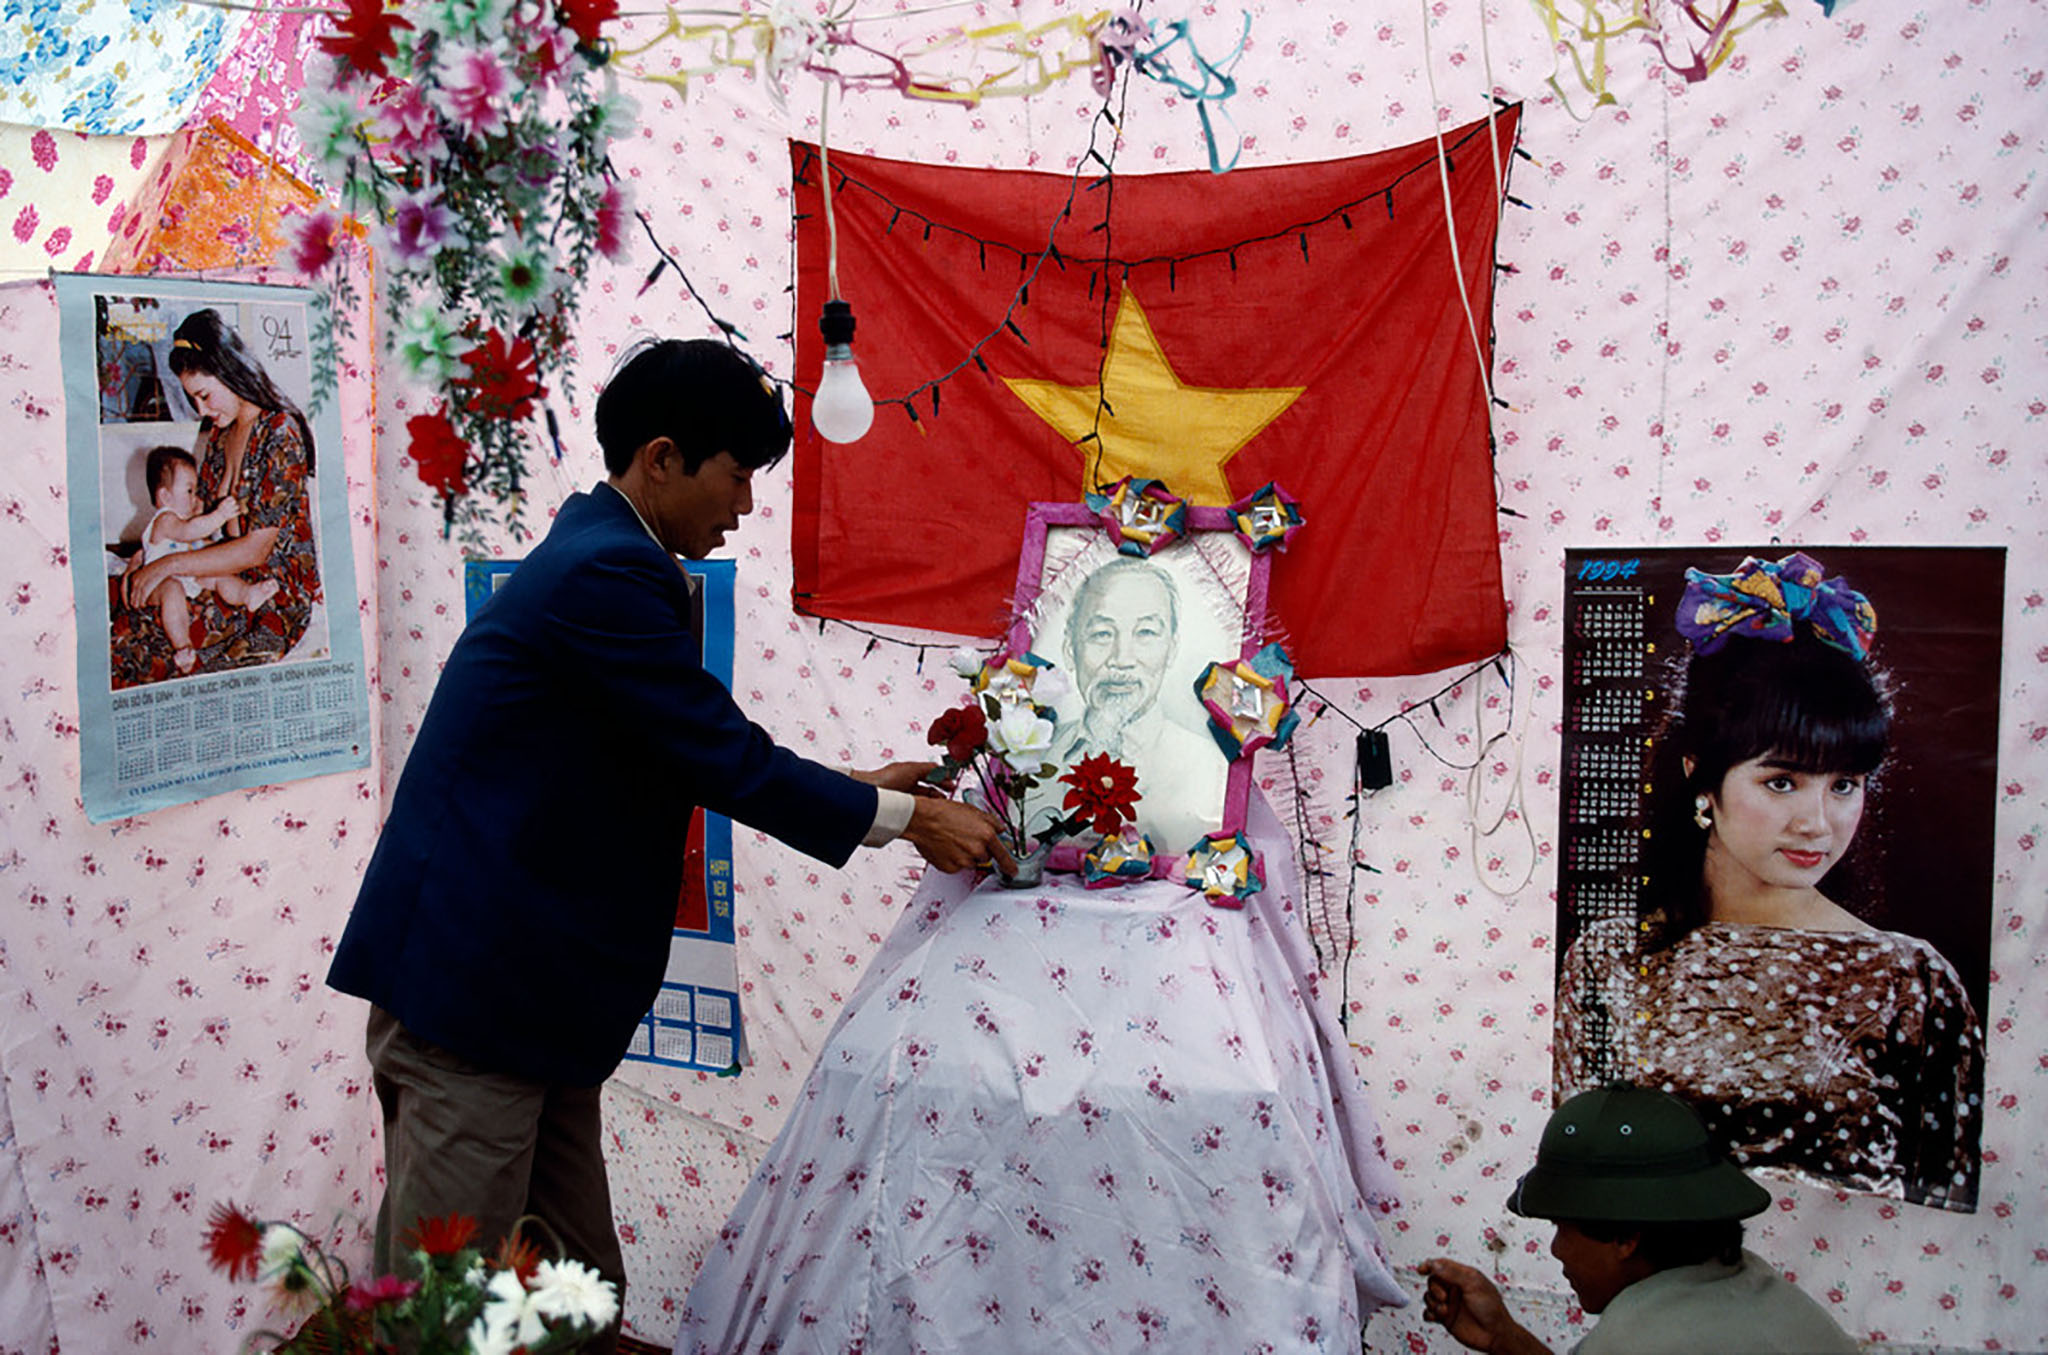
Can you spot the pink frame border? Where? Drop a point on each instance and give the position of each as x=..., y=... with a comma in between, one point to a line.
x=1038, y=518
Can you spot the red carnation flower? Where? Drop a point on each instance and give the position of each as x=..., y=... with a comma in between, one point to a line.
x=585, y=17
x=365, y=36
x=963, y=730
x=1104, y=790
x=504, y=377
x=438, y=452
x=234, y=1242
x=443, y=1236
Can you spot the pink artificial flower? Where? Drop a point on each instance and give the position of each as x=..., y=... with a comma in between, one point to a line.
x=314, y=247
x=472, y=90
x=419, y=226
x=612, y=214
x=364, y=1296
x=409, y=124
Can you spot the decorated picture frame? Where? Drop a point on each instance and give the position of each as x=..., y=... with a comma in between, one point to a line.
x=1146, y=632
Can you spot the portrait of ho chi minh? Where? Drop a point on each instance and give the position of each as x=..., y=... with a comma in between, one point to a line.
x=1133, y=635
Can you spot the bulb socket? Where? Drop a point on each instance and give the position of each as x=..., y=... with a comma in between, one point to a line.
x=836, y=324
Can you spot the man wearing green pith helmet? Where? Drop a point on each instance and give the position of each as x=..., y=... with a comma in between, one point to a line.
x=1649, y=1232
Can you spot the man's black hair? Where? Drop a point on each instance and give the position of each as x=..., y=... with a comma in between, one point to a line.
x=1666, y=1246
x=702, y=394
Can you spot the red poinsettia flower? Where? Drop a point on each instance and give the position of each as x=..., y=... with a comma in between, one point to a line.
x=365, y=36
x=438, y=453
x=366, y=1295
x=585, y=17
x=963, y=730
x=234, y=1242
x=504, y=377
x=443, y=1236
x=1103, y=792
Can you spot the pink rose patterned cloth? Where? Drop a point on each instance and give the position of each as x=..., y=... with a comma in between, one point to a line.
x=1064, y=1118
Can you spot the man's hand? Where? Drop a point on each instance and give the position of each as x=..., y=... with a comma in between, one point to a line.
x=953, y=836
x=1468, y=1306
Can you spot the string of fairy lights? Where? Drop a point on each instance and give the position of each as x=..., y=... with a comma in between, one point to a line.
x=1095, y=173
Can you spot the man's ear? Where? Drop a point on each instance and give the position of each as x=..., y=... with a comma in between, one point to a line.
x=658, y=457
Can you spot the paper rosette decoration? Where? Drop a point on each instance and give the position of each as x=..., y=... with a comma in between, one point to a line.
x=1127, y=856
x=1248, y=702
x=1009, y=678
x=1140, y=515
x=1266, y=517
x=1224, y=867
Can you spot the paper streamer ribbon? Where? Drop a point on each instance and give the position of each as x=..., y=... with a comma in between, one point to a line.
x=993, y=61
x=1584, y=38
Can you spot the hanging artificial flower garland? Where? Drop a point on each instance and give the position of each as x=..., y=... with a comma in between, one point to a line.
x=472, y=135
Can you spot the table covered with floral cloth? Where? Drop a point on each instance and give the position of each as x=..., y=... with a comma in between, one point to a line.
x=1063, y=1118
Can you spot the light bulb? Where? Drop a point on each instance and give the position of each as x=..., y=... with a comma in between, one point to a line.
x=842, y=410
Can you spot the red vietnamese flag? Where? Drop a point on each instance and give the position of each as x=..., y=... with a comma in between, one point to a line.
x=1298, y=323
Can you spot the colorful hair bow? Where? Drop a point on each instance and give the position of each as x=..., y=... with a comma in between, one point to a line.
x=1762, y=599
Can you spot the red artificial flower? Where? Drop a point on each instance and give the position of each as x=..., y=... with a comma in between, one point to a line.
x=1103, y=792
x=364, y=1296
x=365, y=36
x=611, y=223
x=519, y=1255
x=314, y=246
x=585, y=17
x=438, y=454
x=443, y=1236
x=234, y=1242
x=504, y=377
x=963, y=730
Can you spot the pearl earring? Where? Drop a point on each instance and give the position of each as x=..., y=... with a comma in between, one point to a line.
x=1699, y=812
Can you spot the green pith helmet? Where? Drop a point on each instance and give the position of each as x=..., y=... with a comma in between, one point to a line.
x=1630, y=1155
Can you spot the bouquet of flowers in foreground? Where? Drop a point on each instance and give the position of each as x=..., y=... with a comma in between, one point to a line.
x=459, y=1305
x=1002, y=742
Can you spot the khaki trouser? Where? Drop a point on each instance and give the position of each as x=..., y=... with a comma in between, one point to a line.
x=460, y=1139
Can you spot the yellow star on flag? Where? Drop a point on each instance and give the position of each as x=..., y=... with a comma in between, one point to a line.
x=1160, y=428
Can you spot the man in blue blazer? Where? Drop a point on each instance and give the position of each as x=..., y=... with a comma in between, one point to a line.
x=513, y=926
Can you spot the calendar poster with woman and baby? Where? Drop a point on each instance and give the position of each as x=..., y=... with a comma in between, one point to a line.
x=1775, y=886
x=219, y=645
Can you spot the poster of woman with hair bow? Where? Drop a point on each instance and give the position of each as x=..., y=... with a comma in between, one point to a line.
x=1780, y=769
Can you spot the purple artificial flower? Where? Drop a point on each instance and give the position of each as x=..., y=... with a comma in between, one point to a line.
x=420, y=225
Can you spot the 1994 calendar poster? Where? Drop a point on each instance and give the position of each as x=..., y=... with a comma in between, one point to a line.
x=219, y=645
x=1794, y=937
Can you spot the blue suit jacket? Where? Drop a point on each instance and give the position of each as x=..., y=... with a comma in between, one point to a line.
x=518, y=907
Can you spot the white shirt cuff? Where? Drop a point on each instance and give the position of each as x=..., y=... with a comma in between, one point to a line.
x=892, y=815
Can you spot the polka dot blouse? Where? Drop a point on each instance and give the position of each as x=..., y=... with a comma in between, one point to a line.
x=1850, y=1058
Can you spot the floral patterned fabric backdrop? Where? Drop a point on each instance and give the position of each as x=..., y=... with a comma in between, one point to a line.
x=1801, y=299
x=167, y=1043
x=110, y=68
